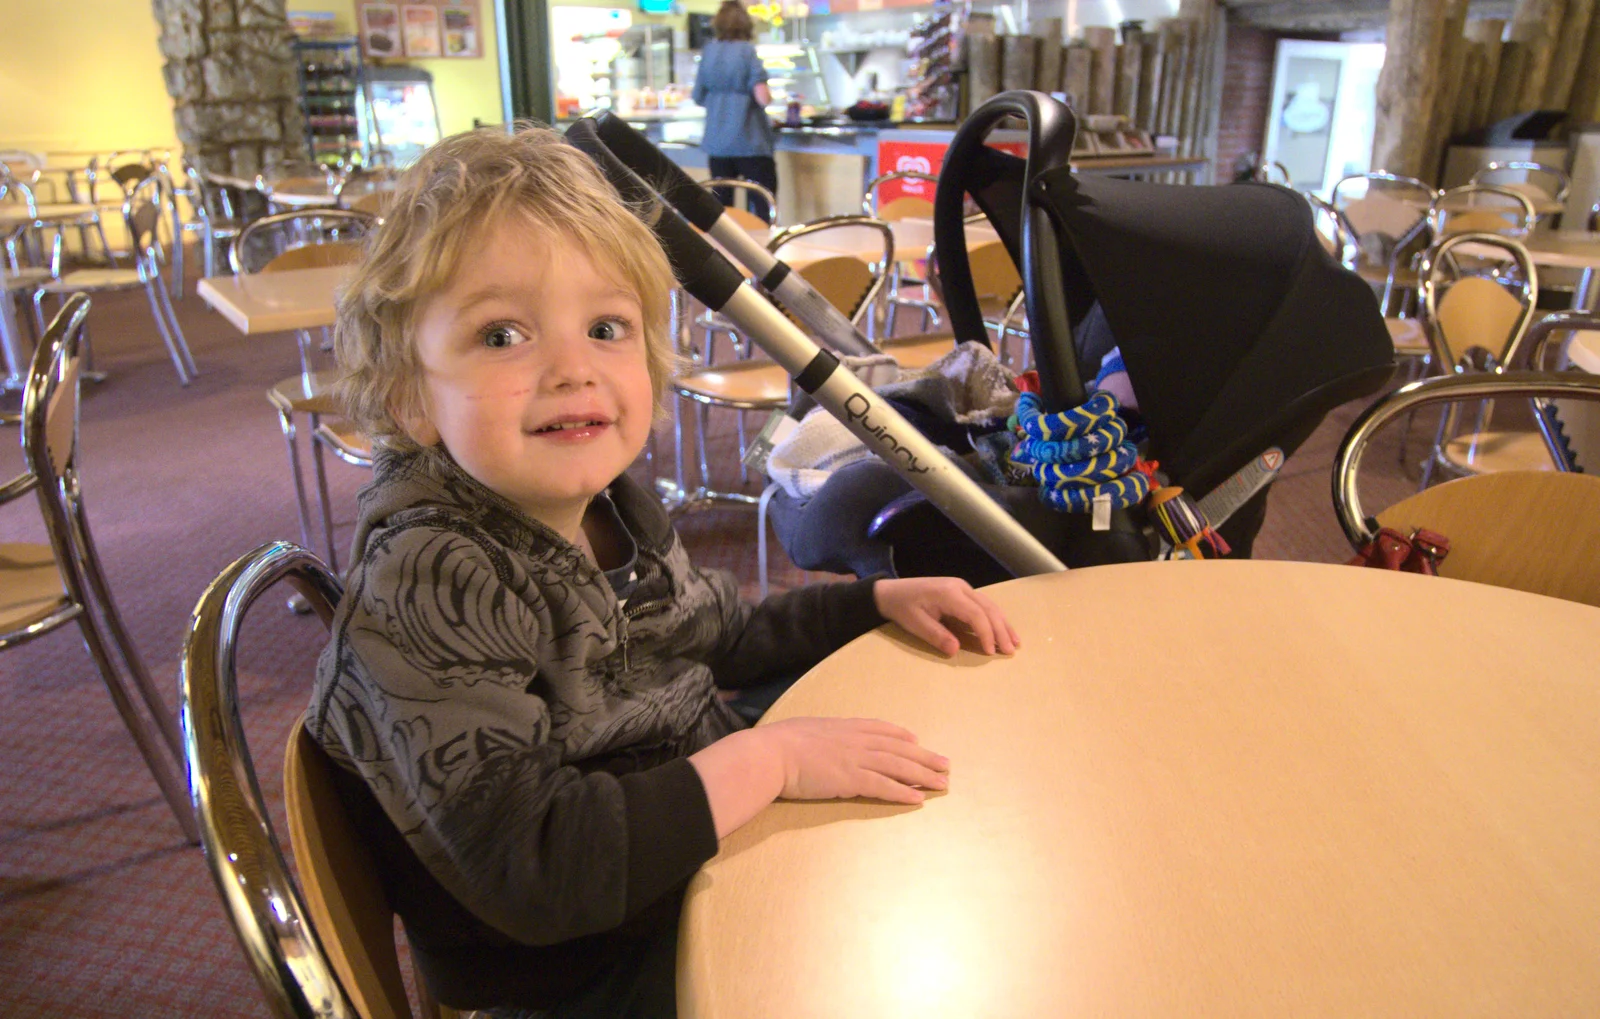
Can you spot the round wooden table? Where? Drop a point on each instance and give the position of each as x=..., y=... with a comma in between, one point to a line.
x=1199, y=789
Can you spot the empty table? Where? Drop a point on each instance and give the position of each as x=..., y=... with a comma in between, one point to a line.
x=1199, y=789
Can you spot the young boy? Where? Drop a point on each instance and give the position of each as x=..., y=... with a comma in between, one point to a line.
x=522, y=684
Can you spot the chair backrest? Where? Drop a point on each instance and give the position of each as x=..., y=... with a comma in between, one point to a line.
x=50, y=433
x=1532, y=179
x=994, y=274
x=901, y=206
x=270, y=237
x=1383, y=203
x=358, y=185
x=863, y=240
x=342, y=891
x=148, y=213
x=1481, y=208
x=1465, y=312
x=1273, y=172
x=1535, y=531
x=281, y=941
x=1333, y=230
x=745, y=218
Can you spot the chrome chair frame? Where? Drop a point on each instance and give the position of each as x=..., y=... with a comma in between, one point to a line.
x=683, y=498
x=263, y=903
x=1264, y=171
x=1358, y=527
x=147, y=207
x=267, y=180
x=1563, y=180
x=317, y=219
x=893, y=301
x=1553, y=333
x=1476, y=359
x=1439, y=216
x=750, y=186
x=51, y=453
x=1402, y=242
x=362, y=176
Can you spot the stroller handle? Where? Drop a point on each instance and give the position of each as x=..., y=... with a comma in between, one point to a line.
x=705, y=273
x=1051, y=131
x=701, y=208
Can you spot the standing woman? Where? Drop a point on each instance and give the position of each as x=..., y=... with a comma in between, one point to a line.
x=732, y=86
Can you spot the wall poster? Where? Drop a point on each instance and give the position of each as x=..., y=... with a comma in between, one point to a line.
x=380, y=30
x=421, y=30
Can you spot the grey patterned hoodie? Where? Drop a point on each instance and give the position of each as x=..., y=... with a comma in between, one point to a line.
x=514, y=738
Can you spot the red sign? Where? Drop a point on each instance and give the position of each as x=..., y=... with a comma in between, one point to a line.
x=921, y=157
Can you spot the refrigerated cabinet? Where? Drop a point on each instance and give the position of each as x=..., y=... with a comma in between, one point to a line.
x=400, y=113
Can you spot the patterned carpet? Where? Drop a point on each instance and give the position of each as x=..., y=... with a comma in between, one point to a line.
x=104, y=911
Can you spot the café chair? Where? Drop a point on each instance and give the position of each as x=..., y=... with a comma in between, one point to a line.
x=1478, y=323
x=1000, y=298
x=305, y=239
x=213, y=217
x=1539, y=182
x=1388, y=216
x=324, y=947
x=299, y=178
x=724, y=188
x=898, y=208
x=49, y=217
x=1481, y=208
x=1273, y=172
x=147, y=213
x=848, y=282
x=43, y=587
x=367, y=190
x=1536, y=531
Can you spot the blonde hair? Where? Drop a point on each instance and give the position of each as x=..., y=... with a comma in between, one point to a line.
x=732, y=21
x=441, y=207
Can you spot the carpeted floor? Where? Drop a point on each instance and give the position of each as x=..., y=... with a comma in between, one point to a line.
x=104, y=911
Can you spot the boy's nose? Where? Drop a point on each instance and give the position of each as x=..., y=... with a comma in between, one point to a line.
x=570, y=363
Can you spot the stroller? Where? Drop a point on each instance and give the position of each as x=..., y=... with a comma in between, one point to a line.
x=1239, y=333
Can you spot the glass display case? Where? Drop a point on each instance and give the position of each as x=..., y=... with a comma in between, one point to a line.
x=329, y=73
x=587, y=43
x=401, y=116
x=792, y=70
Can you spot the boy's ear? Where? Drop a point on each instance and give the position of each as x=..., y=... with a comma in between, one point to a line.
x=414, y=419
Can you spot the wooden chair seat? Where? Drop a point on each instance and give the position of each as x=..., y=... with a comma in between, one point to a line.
x=1529, y=531
x=94, y=279
x=1404, y=277
x=30, y=586
x=1494, y=452
x=347, y=441
x=26, y=278
x=292, y=394
x=1408, y=336
x=757, y=385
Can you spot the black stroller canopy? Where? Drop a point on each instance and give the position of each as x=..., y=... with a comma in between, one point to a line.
x=1238, y=329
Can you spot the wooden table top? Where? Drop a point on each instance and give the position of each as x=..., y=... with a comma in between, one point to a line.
x=1567, y=249
x=1199, y=789
x=273, y=302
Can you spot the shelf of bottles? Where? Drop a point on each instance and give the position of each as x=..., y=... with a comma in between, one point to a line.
x=933, y=60
x=330, y=76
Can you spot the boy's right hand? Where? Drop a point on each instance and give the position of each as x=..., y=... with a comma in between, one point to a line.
x=841, y=758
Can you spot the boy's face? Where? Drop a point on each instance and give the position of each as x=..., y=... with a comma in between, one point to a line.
x=534, y=372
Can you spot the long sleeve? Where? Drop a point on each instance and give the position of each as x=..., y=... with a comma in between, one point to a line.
x=698, y=93
x=439, y=701
x=786, y=633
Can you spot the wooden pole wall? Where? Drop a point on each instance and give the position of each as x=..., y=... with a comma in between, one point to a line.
x=1408, y=85
x=1574, y=32
x=1487, y=33
x=1537, y=23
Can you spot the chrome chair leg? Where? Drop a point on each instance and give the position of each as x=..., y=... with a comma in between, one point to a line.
x=177, y=332
x=761, y=534
x=166, y=338
x=290, y=438
x=324, y=499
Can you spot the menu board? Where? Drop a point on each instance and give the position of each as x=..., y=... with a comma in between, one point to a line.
x=422, y=29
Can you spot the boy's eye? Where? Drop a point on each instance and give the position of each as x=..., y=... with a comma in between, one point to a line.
x=608, y=329
x=498, y=336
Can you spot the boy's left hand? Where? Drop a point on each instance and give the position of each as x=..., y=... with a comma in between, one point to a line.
x=920, y=603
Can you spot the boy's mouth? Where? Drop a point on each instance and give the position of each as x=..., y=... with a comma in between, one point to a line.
x=573, y=426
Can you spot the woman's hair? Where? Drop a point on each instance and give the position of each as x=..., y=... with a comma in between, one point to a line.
x=732, y=21
x=441, y=208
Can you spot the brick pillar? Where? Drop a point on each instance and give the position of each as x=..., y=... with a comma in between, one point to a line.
x=1246, y=97
x=230, y=72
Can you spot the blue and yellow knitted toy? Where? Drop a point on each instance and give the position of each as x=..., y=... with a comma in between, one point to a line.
x=1078, y=455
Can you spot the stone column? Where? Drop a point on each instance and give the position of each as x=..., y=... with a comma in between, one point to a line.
x=231, y=74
